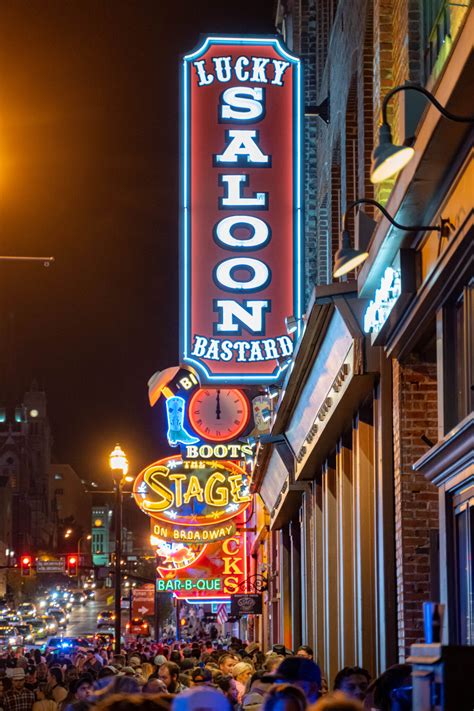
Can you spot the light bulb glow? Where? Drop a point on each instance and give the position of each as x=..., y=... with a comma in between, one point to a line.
x=118, y=460
x=392, y=164
x=350, y=265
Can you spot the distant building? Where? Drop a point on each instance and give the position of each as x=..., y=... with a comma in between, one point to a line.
x=101, y=547
x=28, y=517
x=71, y=500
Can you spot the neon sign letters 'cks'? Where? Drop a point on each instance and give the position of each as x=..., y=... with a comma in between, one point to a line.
x=241, y=208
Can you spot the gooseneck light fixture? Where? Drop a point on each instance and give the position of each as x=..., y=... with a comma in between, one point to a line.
x=347, y=258
x=388, y=158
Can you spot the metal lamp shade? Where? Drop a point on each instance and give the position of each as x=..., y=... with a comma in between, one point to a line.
x=387, y=158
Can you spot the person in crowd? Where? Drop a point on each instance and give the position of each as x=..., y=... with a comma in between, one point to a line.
x=392, y=690
x=304, y=651
x=18, y=698
x=31, y=680
x=55, y=689
x=91, y=663
x=227, y=662
x=175, y=657
x=353, y=682
x=226, y=683
x=242, y=671
x=272, y=662
x=201, y=677
x=147, y=670
x=301, y=672
x=169, y=675
x=284, y=697
x=154, y=686
x=281, y=650
x=80, y=691
x=200, y=697
x=43, y=703
x=257, y=688
x=42, y=672
x=136, y=702
x=337, y=702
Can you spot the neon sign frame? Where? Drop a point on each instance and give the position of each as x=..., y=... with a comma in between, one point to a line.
x=238, y=376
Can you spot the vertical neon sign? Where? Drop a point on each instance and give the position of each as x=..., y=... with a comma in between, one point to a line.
x=241, y=208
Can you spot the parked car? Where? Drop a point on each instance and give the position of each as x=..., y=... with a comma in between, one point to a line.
x=39, y=627
x=78, y=598
x=59, y=615
x=27, y=609
x=66, y=643
x=27, y=631
x=50, y=624
x=138, y=626
x=13, y=618
x=106, y=618
x=9, y=636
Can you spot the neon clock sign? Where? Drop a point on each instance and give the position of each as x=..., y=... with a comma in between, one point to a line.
x=241, y=208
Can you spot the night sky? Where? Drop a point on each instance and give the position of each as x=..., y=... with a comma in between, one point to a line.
x=89, y=173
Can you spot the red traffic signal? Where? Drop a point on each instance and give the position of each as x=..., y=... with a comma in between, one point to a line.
x=72, y=565
x=25, y=564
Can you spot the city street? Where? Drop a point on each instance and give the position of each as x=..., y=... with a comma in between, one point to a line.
x=83, y=619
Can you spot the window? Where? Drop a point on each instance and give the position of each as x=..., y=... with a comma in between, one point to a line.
x=464, y=537
x=435, y=30
x=459, y=358
x=59, y=492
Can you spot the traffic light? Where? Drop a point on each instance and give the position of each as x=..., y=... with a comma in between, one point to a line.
x=72, y=565
x=25, y=565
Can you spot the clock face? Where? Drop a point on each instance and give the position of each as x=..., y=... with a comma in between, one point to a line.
x=219, y=414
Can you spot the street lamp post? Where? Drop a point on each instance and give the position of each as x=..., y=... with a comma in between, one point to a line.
x=119, y=465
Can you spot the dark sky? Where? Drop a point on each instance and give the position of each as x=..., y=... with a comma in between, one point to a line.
x=89, y=173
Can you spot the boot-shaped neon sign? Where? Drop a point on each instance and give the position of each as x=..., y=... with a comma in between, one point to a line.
x=175, y=406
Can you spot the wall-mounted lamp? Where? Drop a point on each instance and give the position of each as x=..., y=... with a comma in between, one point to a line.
x=347, y=258
x=291, y=323
x=388, y=158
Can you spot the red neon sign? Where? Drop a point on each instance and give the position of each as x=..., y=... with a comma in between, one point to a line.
x=220, y=570
x=241, y=209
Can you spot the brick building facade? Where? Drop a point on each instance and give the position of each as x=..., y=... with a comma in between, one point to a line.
x=361, y=510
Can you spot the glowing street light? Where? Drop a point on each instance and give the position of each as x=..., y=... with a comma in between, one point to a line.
x=118, y=460
x=119, y=466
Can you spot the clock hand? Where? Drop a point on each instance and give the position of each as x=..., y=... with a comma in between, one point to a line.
x=218, y=405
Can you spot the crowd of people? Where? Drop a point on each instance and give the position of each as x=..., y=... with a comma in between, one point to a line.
x=201, y=676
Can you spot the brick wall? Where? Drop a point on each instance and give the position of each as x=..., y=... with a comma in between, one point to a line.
x=416, y=500
x=344, y=147
x=304, y=44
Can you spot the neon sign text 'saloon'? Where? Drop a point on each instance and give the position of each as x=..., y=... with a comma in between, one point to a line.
x=241, y=208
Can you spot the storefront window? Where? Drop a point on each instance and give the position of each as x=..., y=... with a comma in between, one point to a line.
x=459, y=354
x=464, y=531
